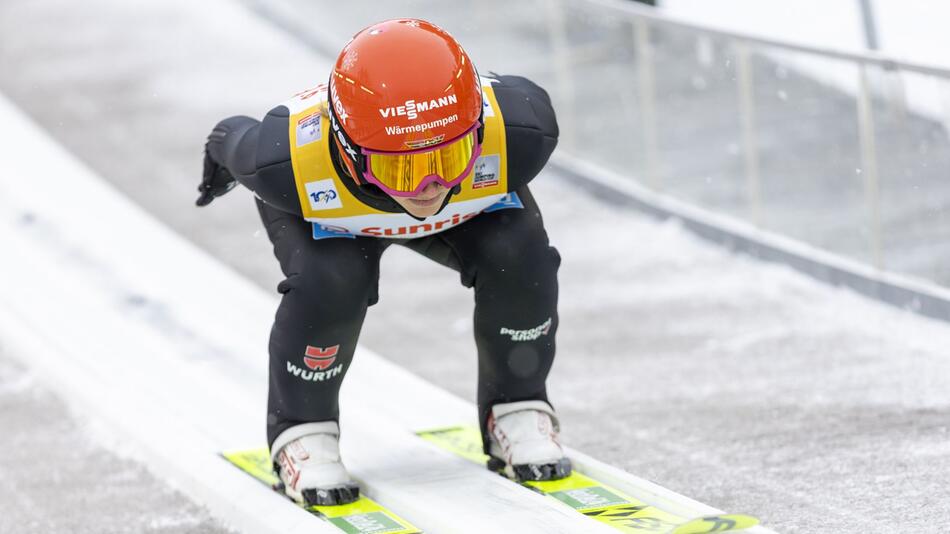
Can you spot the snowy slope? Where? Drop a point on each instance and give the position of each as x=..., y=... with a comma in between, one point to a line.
x=170, y=353
x=745, y=385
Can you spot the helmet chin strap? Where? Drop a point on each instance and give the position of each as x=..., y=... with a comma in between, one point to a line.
x=347, y=164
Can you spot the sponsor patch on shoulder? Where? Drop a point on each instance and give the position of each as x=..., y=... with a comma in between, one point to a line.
x=487, y=108
x=309, y=129
x=485, y=171
x=323, y=195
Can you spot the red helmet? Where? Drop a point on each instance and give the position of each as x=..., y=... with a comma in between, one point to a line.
x=402, y=86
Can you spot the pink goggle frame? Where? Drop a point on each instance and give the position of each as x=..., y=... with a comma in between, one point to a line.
x=476, y=152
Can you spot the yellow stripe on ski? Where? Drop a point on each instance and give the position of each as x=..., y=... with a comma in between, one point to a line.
x=716, y=523
x=255, y=462
x=591, y=498
x=365, y=516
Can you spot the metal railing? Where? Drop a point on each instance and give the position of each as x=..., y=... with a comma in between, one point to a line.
x=825, y=146
x=634, y=12
x=874, y=83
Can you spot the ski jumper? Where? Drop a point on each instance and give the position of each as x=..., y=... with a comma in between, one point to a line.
x=329, y=233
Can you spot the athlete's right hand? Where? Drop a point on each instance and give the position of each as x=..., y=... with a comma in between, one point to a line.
x=216, y=180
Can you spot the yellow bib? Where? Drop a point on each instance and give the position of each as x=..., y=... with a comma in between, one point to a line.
x=335, y=212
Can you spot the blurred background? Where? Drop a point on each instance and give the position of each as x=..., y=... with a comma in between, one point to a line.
x=682, y=103
x=739, y=383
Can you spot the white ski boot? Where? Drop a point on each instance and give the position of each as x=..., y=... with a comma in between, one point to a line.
x=523, y=442
x=307, y=459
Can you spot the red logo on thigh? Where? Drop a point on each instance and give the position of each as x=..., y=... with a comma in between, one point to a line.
x=320, y=358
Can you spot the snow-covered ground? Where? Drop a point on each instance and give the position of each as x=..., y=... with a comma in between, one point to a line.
x=56, y=476
x=143, y=360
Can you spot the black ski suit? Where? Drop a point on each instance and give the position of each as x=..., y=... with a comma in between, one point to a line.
x=504, y=255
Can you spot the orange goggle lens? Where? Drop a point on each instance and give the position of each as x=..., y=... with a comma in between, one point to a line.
x=408, y=172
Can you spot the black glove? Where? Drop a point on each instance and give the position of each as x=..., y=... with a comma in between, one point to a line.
x=216, y=180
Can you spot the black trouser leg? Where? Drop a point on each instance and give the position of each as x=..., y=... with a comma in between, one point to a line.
x=503, y=255
x=328, y=286
x=506, y=257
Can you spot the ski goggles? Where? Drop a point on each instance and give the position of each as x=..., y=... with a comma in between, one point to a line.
x=405, y=174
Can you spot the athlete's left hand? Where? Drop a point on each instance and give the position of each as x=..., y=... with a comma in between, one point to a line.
x=216, y=180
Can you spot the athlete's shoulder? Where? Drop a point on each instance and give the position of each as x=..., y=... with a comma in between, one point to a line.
x=273, y=143
x=531, y=129
x=246, y=145
x=525, y=105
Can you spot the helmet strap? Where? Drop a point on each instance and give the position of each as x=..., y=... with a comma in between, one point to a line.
x=348, y=165
x=350, y=152
x=481, y=128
